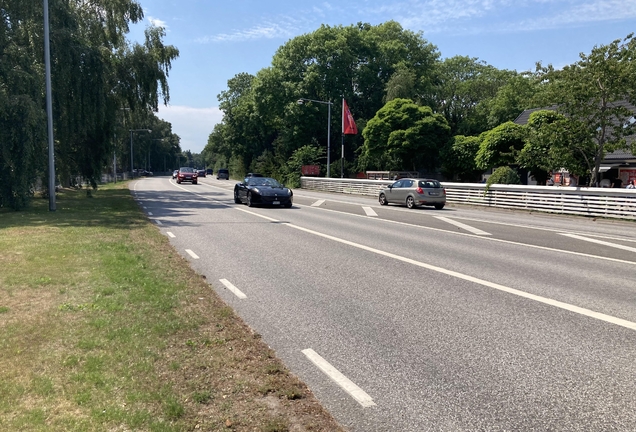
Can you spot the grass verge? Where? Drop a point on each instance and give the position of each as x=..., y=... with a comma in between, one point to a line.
x=103, y=326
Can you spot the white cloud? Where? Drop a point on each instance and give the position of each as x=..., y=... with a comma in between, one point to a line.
x=193, y=125
x=157, y=22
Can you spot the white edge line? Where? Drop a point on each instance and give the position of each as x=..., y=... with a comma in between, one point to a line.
x=345, y=383
x=192, y=254
x=601, y=242
x=237, y=292
x=473, y=230
x=170, y=234
x=537, y=298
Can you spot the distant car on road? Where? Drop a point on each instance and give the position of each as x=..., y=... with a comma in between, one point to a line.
x=223, y=173
x=209, y=171
x=253, y=175
x=262, y=191
x=175, y=173
x=201, y=173
x=187, y=174
x=414, y=192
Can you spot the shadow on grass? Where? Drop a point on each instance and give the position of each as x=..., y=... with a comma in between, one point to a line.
x=111, y=207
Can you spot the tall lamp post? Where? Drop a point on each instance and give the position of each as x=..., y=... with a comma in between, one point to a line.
x=132, y=171
x=49, y=106
x=328, y=103
x=164, y=159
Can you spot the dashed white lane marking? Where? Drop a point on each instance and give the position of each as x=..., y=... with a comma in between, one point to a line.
x=318, y=203
x=144, y=207
x=159, y=222
x=149, y=213
x=601, y=242
x=192, y=254
x=237, y=292
x=463, y=226
x=347, y=385
x=369, y=211
x=170, y=234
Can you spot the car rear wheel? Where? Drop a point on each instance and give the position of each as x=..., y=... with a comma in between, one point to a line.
x=237, y=200
x=383, y=200
x=249, y=200
x=410, y=202
x=288, y=205
x=194, y=182
x=439, y=206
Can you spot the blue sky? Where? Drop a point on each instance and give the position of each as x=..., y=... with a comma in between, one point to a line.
x=219, y=39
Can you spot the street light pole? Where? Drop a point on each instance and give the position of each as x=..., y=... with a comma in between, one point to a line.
x=49, y=106
x=132, y=171
x=328, y=103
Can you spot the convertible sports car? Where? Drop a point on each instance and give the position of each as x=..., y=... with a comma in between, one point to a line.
x=262, y=191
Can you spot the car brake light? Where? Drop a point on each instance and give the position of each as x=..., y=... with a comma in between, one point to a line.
x=419, y=190
x=443, y=191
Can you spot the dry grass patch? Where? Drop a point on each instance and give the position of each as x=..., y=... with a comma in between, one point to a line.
x=102, y=328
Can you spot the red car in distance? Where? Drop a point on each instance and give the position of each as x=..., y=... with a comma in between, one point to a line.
x=187, y=174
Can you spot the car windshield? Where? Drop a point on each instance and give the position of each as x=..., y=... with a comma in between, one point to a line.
x=430, y=184
x=186, y=170
x=263, y=181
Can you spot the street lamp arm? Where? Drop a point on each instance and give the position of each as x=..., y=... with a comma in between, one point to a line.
x=301, y=100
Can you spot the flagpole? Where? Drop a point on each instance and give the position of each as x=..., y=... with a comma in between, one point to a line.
x=342, y=150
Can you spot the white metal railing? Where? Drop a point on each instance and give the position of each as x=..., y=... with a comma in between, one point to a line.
x=616, y=203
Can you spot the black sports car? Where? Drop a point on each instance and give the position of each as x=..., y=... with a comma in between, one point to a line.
x=262, y=191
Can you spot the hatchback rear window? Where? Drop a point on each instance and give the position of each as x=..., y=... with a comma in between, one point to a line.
x=431, y=184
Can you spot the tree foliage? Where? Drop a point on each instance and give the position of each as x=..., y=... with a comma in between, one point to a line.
x=95, y=72
x=458, y=158
x=597, y=95
x=500, y=146
x=403, y=134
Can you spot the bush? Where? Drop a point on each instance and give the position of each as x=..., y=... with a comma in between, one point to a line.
x=502, y=175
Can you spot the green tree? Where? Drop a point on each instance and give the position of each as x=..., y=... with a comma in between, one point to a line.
x=500, y=146
x=552, y=142
x=458, y=158
x=461, y=84
x=94, y=74
x=404, y=135
x=593, y=94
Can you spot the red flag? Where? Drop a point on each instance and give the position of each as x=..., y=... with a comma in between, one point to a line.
x=348, y=125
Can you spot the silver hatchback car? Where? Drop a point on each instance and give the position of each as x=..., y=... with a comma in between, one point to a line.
x=414, y=192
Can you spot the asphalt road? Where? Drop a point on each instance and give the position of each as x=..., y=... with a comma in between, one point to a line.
x=463, y=319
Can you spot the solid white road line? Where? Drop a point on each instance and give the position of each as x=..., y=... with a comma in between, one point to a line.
x=237, y=292
x=540, y=299
x=192, y=254
x=369, y=211
x=347, y=385
x=170, y=234
x=318, y=203
x=463, y=226
x=601, y=242
x=483, y=237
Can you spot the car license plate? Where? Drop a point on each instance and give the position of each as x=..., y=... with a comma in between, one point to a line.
x=276, y=202
x=433, y=193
